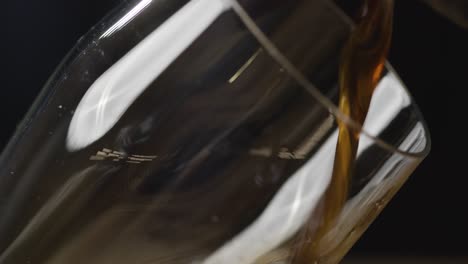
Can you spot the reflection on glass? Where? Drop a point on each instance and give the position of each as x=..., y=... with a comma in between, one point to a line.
x=179, y=136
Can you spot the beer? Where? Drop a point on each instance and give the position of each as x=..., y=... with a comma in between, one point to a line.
x=362, y=64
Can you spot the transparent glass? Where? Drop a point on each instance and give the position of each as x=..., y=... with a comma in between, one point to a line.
x=200, y=131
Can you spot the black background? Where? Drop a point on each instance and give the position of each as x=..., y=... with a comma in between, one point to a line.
x=428, y=216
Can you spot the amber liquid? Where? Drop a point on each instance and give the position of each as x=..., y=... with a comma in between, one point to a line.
x=363, y=61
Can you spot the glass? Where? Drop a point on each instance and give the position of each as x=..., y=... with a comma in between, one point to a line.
x=200, y=131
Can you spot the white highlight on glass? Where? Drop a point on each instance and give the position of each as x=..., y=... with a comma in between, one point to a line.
x=286, y=214
x=298, y=197
x=113, y=92
x=388, y=100
x=127, y=18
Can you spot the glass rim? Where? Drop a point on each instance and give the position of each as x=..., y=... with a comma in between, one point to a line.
x=334, y=110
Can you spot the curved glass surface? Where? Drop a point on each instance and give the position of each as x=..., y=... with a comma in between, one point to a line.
x=200, y=131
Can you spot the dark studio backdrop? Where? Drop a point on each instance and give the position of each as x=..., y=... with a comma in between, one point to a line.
x=429, y=216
